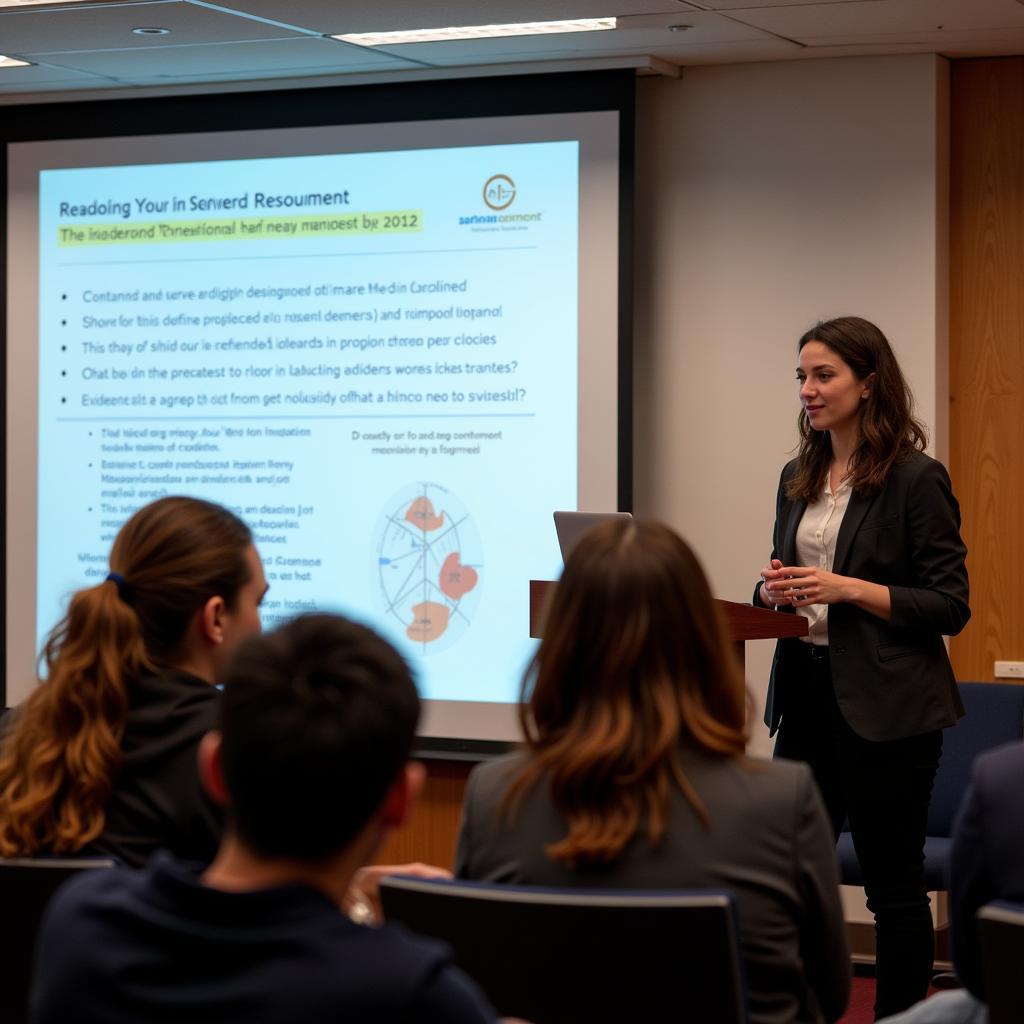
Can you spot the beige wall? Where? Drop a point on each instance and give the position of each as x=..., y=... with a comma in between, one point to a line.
x=768, y=196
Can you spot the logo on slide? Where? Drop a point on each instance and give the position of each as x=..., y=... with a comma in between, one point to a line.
x=428, y=566
x=499, y=191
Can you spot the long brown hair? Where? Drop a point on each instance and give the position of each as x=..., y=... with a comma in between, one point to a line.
x=635, y=664
x=888, y=431
x=60, y=757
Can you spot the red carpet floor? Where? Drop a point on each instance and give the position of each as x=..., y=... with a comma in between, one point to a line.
x=862, y=1001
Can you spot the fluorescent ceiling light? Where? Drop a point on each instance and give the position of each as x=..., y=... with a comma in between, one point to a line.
x=435, y=35
x=13, y=62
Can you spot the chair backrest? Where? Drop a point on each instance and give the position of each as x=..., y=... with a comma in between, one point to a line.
x=1001, y=928
x=26, y=887
x=995, y=715
x=556, y=956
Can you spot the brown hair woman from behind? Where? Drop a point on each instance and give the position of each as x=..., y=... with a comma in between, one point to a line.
x=633, y=772
x=634, y=663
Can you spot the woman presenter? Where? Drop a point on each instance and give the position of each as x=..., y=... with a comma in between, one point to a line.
x=867, y=547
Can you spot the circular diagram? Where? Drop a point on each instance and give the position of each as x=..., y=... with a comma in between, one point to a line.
x=429, y=565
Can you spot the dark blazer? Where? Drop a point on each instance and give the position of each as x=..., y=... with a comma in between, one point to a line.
x=988, y=854
x=769, y=842
x=892, y=679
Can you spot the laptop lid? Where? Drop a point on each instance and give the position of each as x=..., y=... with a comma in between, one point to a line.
x=570, y=526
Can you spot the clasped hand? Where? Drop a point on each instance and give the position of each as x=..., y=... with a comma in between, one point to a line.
x=800, y=585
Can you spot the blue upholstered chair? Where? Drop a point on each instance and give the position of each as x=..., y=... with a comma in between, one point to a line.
x=557, y=956
x=26, y=887
x=995, y=715
x=1001, y=928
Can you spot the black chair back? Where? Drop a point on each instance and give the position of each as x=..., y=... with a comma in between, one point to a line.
x=558, y=956
x=26, y=887
x=1001, y=928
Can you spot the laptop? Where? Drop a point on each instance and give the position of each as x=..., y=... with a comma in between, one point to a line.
x=570, y=526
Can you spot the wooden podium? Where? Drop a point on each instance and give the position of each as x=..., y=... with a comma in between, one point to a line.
x=744, y=621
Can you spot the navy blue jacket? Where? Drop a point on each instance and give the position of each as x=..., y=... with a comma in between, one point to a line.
x=988, y=853
x=124, y=946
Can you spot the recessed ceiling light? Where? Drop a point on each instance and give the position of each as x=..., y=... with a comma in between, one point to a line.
x=13, y=62
x=151, y=31
x=434, y=35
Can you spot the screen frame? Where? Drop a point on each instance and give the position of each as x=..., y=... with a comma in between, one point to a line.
x=351, y=105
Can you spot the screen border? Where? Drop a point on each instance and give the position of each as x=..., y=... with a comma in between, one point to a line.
x=498, y=96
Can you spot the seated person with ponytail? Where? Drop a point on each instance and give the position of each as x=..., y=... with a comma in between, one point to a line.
x=101, y=758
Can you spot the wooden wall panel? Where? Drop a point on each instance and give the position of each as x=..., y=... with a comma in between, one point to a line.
x=429, y=835
x=987, y=353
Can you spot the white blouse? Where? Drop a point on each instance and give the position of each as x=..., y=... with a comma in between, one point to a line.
x=816, y=545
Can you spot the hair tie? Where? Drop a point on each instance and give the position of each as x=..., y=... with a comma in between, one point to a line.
x=123, y=590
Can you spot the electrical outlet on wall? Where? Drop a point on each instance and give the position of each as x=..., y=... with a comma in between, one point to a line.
x=1010, y=670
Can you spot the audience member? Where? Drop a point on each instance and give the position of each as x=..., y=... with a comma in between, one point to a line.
x=101, y=758
x=310, y=762
x=987, y=864
x=634, y=772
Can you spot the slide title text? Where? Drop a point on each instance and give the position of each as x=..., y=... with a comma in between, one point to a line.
x=146, y=205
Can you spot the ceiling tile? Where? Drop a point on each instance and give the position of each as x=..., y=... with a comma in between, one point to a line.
x=35, y=30
x=960, y=48
x=64, y=89
x=872, y=21
x=240, y=60
x=736, y=51
x=984, y=44
x=741, y=5
x=36, y=74
x=700, y=25
x=331, y=17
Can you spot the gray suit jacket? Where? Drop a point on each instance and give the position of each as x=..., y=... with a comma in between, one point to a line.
x=769, y=842
x=892, y=679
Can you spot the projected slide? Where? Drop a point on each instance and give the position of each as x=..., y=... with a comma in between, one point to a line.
x=371, y=357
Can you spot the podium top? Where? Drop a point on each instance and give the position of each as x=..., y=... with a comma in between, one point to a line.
x=744, y=621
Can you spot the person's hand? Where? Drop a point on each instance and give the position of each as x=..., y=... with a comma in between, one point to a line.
x=800, y=585
x=365, y=886
x=771, y=572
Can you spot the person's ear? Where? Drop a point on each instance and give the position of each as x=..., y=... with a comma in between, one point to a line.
x=211, y=619
x=211, y=769
x=869, y=380
x=403, y=794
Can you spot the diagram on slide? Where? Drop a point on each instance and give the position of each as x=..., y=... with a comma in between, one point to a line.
x=429, y=565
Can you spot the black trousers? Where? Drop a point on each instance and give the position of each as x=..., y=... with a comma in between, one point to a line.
x=883, y=789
